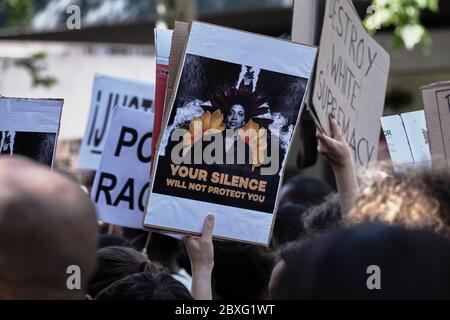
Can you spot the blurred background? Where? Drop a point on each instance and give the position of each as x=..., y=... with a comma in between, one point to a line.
x=41, y=58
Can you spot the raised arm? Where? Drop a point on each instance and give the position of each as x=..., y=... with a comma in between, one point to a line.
x=201, y=254
x=336, y=150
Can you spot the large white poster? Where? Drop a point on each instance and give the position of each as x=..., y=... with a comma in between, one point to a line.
x=236, y=105
x=109, y=93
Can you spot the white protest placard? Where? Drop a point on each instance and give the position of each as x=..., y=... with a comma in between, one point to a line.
x=416, y=129
x=122, y=180
x=397, y=141
x=30, y=128
x=109, y=93
x=351, y=79
x=407, y=140
x=229, y=83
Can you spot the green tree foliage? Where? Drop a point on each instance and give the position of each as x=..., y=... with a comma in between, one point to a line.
x=404, y=16
x=18, y=13
x=35, y=65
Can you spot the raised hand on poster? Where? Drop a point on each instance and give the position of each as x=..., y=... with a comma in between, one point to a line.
x=334, y=148
x=337, y=151
x=201, y=254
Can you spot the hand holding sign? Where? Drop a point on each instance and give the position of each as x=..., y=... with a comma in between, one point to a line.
x=337, y=151
x=335, y=148
x=201, y=253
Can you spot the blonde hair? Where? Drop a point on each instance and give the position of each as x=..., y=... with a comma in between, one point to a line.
x=412, y=198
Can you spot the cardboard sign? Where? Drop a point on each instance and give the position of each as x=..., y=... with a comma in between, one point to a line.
x=407, y=140
x=436, y=101
x=30, y=128
x=238, y=83
x=163, y=43
x=351, y=80
x=109, y=93
x=122, y=181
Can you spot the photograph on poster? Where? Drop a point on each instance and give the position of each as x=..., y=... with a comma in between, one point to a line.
x=229, y=100
x=34, y=145
x=30, y=128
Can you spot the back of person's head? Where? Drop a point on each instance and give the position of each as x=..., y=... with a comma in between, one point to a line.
x=146, y=286
x=366, y=262
x=412, y=198
x=111, y=240
x=164, y=248
x=115, y=263
x=323, y=217
x=241, y=271
x=161, y=248
x=288, y=224
x=47, y=228
x=304, y=190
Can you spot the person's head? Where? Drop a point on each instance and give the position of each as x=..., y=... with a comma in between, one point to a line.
x=235, y=118
x=115, y=263
x=146, y=286
x=111, y=240
x=161, y=249
x=353, y=263
x=413, y=198
x=288, y=224
x=304, y=190
x=165, y=250
x=248, y=265
x=47, y=227
x=323, y=216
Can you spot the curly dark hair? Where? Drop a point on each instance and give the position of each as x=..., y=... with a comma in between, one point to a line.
x=254, y=103
x=411, y=197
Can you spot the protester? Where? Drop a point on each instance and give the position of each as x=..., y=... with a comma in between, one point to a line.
x=241, y=271
x=415, y=198
x=323, y=217
x=115, y=263
x=337, y=151
x=288, y=224
x=343, y=264
x=303, y=190
x=120, y=269
x=146, y=286
x=164, y=251
x=201, y=253
x=111, y=240
x=47, y=225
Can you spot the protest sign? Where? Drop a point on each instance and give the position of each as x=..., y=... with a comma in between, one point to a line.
x=239, y=83
x=351, y=79
x=163, y=43
x=436, y=101
x=122, y=181
x=109, y=93
x=179, y=39
x=30, y=128
x=307, y=21
x=407, y=140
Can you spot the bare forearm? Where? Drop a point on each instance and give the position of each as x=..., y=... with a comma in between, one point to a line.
x=201, y=283
x=347, y=185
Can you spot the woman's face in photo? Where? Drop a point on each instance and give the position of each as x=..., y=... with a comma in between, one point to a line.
x=236, y=117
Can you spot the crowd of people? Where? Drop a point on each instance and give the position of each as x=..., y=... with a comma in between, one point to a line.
x=384, y=235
